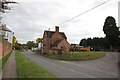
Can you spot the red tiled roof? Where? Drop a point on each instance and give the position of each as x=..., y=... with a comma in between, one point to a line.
x=56, y=42
x=50, y=33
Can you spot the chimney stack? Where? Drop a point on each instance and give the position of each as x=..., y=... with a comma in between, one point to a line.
x=56, y=28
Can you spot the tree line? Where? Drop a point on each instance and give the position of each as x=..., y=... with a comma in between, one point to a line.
x=27, y=45
x=95, y=42
x=111, y=39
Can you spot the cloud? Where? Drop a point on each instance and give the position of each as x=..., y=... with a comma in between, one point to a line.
x=30, y=18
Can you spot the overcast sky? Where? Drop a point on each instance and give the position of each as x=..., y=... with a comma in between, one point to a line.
x=30, y=18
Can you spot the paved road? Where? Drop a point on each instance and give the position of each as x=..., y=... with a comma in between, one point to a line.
x=105, y=67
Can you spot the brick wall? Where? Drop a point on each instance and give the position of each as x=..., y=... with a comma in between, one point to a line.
x=5, y=48
x=65, y=46
x=0, y=50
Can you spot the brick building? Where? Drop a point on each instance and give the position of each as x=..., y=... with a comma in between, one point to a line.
x=55, y=42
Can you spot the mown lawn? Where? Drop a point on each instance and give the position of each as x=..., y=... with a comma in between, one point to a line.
x=29, y=69
x=76, y=56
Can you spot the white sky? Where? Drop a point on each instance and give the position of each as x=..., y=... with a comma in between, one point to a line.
x=30, y=18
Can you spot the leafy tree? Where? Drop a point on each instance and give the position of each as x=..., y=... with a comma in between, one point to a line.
x=90, y=42
x=13, y=41
x=38, y=40
x=83, y=42
x=24, y=46
x=111, y=31
x=30, y=44
x=18, y=46
x=106, y=43
x=96, y=41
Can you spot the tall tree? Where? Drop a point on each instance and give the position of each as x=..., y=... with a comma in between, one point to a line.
x=96, y=41
x=38, y=40
x=111, y=31
x=90, y=42
x=30, y=44
x=83, y=42
x=18, y=46
x=13, y=41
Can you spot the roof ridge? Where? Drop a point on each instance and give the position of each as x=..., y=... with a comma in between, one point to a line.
x=52, y=31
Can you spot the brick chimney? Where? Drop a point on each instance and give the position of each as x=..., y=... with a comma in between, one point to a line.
x=56, y=28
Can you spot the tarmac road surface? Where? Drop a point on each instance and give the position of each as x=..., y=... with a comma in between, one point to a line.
x=105, y=67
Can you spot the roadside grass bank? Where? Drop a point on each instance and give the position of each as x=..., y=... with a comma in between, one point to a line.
x=76, y=56
x=28, y=69
x=5, y=59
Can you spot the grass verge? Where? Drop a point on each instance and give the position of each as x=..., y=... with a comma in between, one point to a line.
x=5, y=59
x=29, y=69
x=76, y=56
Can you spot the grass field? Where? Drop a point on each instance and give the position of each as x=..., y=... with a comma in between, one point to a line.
x=76, y=56
x=29, y=69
